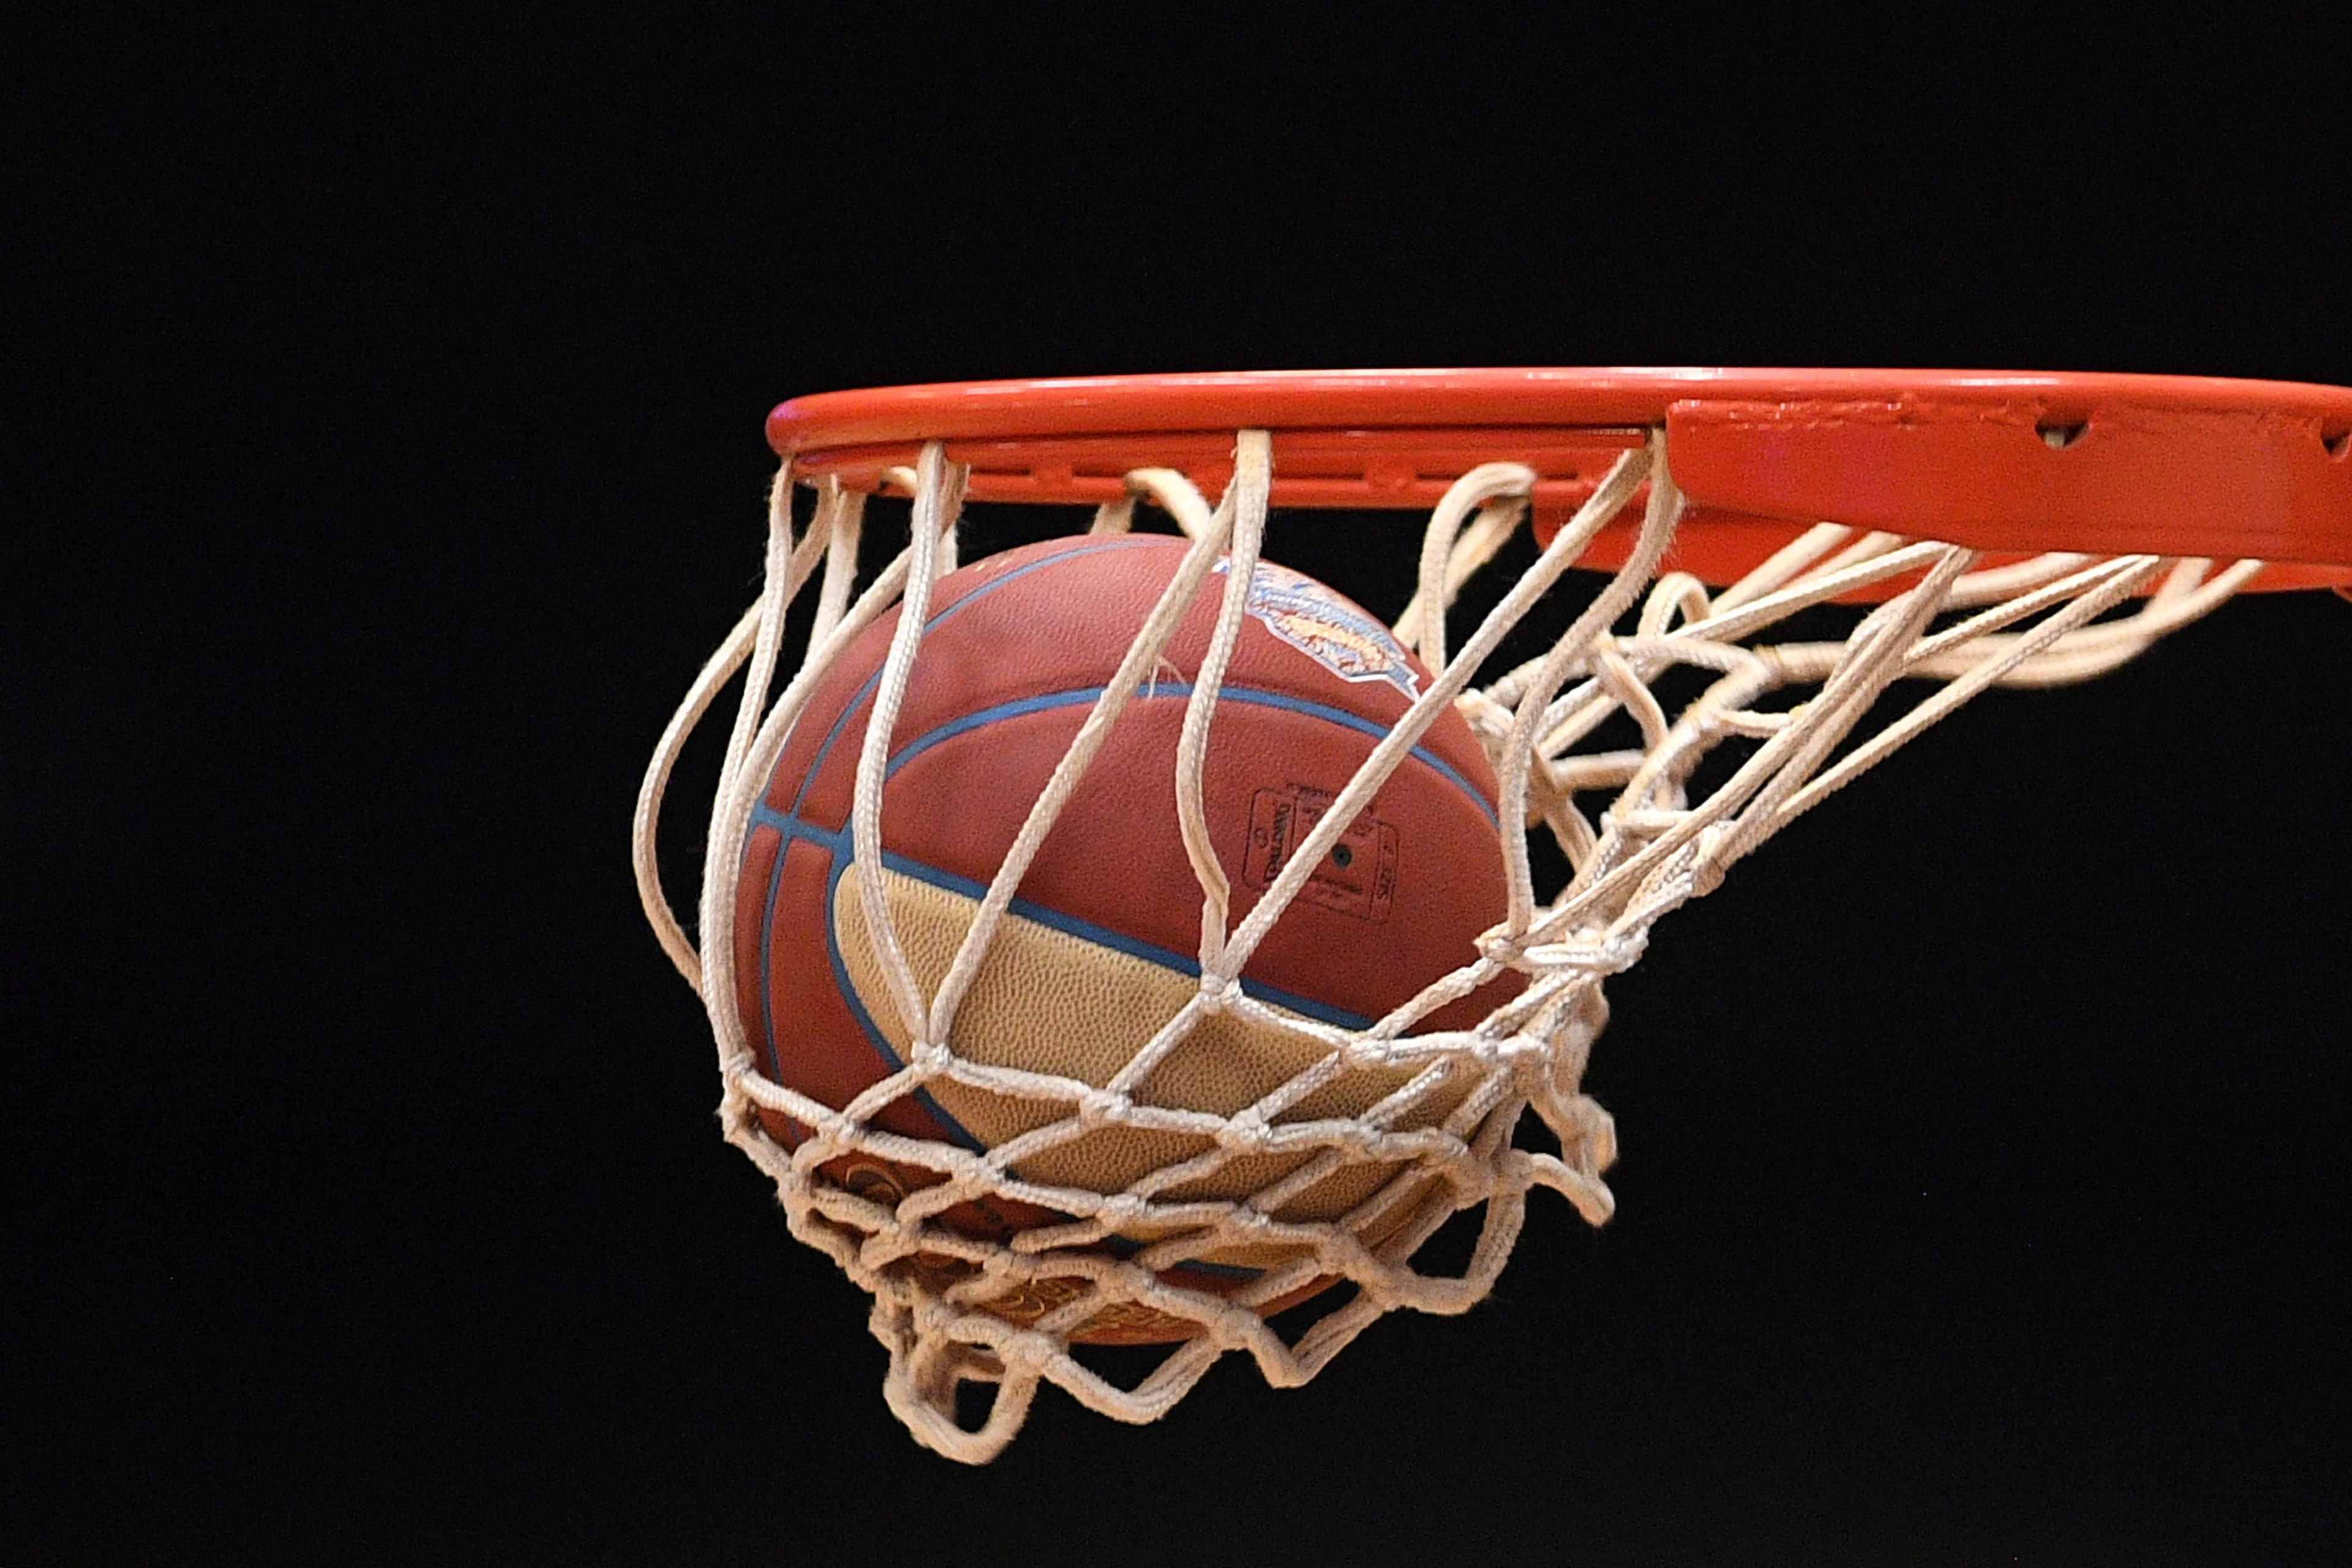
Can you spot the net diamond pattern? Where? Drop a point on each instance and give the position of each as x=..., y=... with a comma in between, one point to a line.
x=1784, y=724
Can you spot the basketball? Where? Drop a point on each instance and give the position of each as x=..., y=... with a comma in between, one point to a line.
x=1100, y=946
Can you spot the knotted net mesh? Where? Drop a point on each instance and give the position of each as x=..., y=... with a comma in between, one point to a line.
x=1774, y=728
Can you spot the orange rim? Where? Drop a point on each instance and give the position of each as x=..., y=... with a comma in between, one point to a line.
x=2002, y=462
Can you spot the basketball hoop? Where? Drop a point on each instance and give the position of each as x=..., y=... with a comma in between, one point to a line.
x=1981, y=529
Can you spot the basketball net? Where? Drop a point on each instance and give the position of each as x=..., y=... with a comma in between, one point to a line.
x=1791, y=708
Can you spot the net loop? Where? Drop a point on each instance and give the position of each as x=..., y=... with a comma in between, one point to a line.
x=1656, y=737
x=1499, y=493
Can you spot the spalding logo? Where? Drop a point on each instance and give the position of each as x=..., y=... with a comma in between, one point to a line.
x=1333, y=633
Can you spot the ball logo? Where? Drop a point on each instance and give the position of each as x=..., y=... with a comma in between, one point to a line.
x=1357, y=877
x=1334, y=634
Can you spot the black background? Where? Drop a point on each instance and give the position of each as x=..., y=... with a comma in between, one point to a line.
x=389, y=456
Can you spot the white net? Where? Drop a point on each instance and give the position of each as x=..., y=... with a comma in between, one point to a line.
x=1784, y=722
